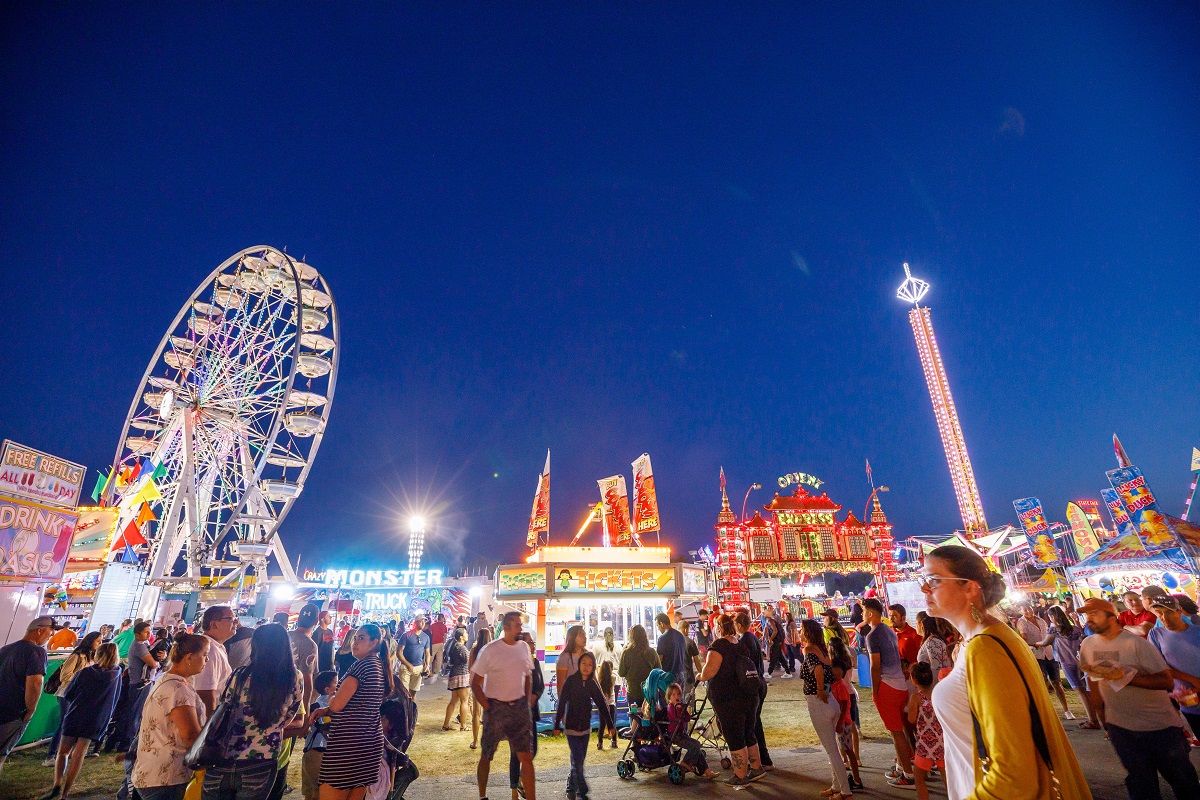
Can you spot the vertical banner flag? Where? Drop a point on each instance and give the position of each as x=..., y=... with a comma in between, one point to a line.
x=539, y=518
x=616, y=509
x=1081, y=529
x=1116, y=510
x=1151, y=524
x=1119, y=452
x=1037, y=532
x=645, y=498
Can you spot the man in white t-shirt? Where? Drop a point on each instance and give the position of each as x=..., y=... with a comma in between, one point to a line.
x=1130, y=682
x=503, y=686
x=219, y=624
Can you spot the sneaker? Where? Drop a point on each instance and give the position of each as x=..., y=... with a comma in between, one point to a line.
x=856, y=786
x=49, y=762
x=1068, y=714
x=54, y=792
x=736, y=781
x=570, y=794
x=893, y=773
x=521, y=791
x=756, y=774
x=903, y=782
x=787, y=675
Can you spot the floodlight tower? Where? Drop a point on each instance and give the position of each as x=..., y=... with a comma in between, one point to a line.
x=965, y=489
x=416, y=542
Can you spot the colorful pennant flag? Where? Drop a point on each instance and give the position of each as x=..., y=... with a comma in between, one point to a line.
x=149, y=493
x=616, y=511
x=145, y=514
x=1081, y=529
x=134, y=471
x=160, y=472
x=1119, y=450
x=101, y=482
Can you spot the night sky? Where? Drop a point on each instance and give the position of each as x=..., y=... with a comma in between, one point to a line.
x=610, y=229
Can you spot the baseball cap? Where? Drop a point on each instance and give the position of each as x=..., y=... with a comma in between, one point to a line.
x=1097, y=604
x=40, y=622
x=308, y=615
x=1164, y=601
x=281, y=617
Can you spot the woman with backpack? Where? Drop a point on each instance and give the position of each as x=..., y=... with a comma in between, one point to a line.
x=91, y=698
x=755, y=648
x=734, y=691
x=637, y=660
x=265, y=699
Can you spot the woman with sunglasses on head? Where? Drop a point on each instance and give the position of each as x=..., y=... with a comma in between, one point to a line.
x=1002, y=737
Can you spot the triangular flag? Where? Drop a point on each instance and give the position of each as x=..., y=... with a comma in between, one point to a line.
x=132, y=533
x=145, y=514
x=1195, y=459
x=128, y=556
x=101, y=482
x=160, y=472
x=149, y=493
x=134, y=471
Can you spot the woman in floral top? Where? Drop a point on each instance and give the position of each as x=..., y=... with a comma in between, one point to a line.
x=933, y=649
x=268, y=697
x=171, y=720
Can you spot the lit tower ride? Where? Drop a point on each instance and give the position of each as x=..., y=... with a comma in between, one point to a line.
x=963, y=477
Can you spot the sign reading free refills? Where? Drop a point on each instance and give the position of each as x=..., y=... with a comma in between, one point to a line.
x=40, y=477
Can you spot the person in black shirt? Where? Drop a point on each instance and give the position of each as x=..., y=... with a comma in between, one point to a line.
x=22, y=670
x=575, y=700
x=734, y=707
x=324, y=636
x=538, y=689
x=743, y=627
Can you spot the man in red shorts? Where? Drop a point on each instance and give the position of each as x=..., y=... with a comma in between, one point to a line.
x=889, y=687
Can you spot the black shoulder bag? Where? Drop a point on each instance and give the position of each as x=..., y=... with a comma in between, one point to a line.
x=1039, y=732
x=209, y=748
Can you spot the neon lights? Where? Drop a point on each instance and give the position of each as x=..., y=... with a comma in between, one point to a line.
x=966, y=491
x=799, y=477
x=361, y=578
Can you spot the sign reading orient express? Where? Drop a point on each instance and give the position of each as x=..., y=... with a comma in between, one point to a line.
x=369, y=578
x=800, y=477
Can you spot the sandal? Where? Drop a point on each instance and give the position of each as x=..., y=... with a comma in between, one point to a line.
x=445, y=727
x=1089, y=725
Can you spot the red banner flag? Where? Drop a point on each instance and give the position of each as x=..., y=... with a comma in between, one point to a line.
x=539, y=517
x=616, y=511
x=645, y=498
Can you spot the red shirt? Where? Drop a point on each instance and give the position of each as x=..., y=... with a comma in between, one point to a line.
x=1127, y=617
x=909, y=643
x=437, y=633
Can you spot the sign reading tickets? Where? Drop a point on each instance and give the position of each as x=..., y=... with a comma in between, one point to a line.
x=35, y=540
x=521, y=580
x=37, y=476
x=617, y=580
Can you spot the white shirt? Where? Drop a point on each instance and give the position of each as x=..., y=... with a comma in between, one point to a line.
x=216, y=670
x=505, y=668
x=952, y=705
x=160, y=750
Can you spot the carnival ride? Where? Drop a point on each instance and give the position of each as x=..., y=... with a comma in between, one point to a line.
x=227, y=421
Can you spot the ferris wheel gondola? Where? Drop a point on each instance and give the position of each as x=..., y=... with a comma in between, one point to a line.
x=230, y=413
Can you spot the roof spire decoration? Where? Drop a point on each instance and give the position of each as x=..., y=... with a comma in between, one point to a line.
x=913, y=289
x=726, y=517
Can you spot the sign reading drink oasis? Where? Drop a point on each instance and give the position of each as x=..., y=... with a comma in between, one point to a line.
x=34, y=539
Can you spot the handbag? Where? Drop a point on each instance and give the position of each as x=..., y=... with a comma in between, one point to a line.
x=1039, y=732
x=209, y=748
x=749, y=681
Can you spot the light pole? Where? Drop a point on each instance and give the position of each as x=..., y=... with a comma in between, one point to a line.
x=867, y=507
x=753, y=486
x=416, y=542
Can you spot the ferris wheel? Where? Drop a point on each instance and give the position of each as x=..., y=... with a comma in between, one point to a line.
x=227, y=420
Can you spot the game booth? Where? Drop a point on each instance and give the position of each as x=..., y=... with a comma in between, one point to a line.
x=596, y=587
x=1124, y=565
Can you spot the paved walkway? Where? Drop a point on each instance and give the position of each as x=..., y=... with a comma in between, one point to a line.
x=801, y=772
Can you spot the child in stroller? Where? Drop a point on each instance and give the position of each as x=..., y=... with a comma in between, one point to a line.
x=650, y=744
x=678, y=718
x=398, y=717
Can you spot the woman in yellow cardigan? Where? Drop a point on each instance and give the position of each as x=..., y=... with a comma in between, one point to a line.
x=994, y=702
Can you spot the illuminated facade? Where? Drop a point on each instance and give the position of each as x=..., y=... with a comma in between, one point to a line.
x=801, y=537
x=961, y=475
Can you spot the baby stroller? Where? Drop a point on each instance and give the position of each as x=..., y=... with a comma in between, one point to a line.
x=650, y=745
x=707, y=730
x=399, y=718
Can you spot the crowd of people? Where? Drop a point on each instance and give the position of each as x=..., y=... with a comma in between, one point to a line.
x=966, y=694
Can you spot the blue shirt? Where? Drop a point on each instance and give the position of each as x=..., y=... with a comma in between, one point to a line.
x=414, y=646
x=1181, y=649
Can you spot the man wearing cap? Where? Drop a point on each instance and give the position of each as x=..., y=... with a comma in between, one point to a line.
x=1130, y=681
x=1179, y=644
x=22, y=670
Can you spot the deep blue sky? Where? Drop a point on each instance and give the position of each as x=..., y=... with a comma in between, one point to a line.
x=616, y=229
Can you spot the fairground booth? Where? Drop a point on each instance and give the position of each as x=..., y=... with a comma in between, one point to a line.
x=1125, y=565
